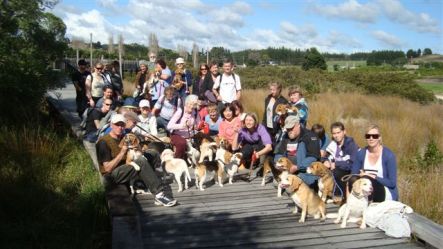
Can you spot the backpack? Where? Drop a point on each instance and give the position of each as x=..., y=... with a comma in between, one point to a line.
x=117, y=83
x=235, y=81
x=84, y=117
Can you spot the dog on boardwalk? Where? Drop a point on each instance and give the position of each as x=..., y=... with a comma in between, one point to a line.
x=356, y=203
x=207, y=150
x=282, y=166
x=203, y=168
x=232, y=167
x=192, y=154
x=176, y=166
x=325, y=181
x=304, y=197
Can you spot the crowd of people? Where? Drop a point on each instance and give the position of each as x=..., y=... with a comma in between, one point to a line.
x=172, y=107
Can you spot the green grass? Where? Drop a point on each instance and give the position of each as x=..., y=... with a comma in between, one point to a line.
x=51, y=196
x=436, y=88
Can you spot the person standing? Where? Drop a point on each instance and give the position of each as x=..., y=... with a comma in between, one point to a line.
x=227, y=86
x=79, y=79
x=94, y=85
x=270, y=118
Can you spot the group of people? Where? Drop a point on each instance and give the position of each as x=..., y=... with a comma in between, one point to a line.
x=171, y=104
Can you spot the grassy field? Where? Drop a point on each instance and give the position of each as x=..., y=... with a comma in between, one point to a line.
x=51, y=195
x=436, y=88
x=411, y=137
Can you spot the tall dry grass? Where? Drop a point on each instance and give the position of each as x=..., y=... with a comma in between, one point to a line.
x=407, y=128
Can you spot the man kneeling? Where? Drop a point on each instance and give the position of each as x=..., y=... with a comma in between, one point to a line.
x=112, y=165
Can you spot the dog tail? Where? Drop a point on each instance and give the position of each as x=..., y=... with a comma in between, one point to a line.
x=332, y=215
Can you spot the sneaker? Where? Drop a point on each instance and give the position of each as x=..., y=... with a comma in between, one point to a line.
x=162, y=199
x=143, y=191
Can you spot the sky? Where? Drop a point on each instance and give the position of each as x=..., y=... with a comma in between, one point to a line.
x=333, y=26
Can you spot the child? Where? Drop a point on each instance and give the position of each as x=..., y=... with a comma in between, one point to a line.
x=296, y=99
x=148, y=122
x=213, y=119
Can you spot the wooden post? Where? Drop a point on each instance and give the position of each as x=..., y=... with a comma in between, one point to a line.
x=90, y=49
x=120, y=59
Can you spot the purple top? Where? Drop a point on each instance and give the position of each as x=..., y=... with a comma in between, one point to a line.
x=260, y=133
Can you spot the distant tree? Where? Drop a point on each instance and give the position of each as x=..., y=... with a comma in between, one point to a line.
x=410, y=54
x=121, y=44
x=111, y=44
x=418, y=52
x=181, y=50
x=153, y=43
x=313, y=59
x=427, y=51
x=195, y=55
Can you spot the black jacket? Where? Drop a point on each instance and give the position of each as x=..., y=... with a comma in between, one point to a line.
x=279, y=100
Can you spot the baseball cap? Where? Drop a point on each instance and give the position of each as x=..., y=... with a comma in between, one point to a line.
x=291, y=121
x=179, y=60
x=131, y=116
x=144, y=103
x=118, y=118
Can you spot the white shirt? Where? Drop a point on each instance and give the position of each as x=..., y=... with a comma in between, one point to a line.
x=228, y=87
x=377, y=169
x=149, y=125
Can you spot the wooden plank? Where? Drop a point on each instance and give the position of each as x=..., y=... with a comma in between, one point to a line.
x=427, y=230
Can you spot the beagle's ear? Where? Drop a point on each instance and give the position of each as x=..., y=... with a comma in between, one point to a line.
x=294, y=181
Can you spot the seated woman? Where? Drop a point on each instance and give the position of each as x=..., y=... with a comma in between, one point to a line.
x=213, y=119
x=253, y=140
x=166, y=106
x=183, y=124
x=324, y=139
x=230, y=125
x=377, y=163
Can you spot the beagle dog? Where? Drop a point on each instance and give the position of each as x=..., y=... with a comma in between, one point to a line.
x=192, y=154
x=201, y=172
x=207, y=149
x=356, y=203
x=325, y=181
x=282, y=165
x=134, y=149
x=176, y=166
x=232, y=167
x=304, y=197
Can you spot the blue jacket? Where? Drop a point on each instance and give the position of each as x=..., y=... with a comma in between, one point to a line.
x=349, y=149
x=389, y=164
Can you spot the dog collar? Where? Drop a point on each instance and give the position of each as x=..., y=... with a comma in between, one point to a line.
x=358, y=196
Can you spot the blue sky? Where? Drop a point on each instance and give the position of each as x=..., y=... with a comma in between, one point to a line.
x=331, y=26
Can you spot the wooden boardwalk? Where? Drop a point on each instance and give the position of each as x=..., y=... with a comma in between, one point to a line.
x=242, y=215
x=246, y=215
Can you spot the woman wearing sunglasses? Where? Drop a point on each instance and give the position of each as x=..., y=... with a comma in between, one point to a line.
x=377, y=163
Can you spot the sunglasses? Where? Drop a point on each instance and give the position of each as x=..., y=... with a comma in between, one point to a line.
x=107, y=104
x=99, y=68
x=374, y=136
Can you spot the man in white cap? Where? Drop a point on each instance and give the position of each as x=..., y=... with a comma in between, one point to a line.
x=148, y=122
x=112, y=158
x=186, y=77
x=301, y=146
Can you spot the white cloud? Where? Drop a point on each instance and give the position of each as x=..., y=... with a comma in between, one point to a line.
x=387, y=39
x=421, y=22
x=350, y=9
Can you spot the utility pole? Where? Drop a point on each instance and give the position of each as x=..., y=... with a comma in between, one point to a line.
x=207, y=56
x=120, y=48
x=90, y=49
